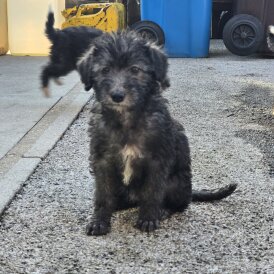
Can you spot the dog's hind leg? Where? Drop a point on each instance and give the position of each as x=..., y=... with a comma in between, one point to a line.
x=45, y=81
x=179, y=188
x=52, y=71
x=178, y=194
x=58, y=82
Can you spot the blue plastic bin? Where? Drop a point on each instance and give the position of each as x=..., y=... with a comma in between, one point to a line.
x=186, y=24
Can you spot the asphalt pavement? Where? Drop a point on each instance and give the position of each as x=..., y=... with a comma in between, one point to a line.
x=225, y=103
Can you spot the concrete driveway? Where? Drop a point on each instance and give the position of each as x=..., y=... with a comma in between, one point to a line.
x=30, y=124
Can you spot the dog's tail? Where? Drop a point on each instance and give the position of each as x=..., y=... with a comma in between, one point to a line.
x=213, y=195
x=50, y=31
x=270, y=38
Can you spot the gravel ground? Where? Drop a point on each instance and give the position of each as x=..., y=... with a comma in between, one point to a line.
x=225, y=103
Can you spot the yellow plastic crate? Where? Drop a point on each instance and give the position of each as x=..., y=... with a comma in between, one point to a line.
x=104, y=16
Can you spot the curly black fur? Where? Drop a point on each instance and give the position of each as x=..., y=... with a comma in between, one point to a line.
x=67, y=46
x=139, y=154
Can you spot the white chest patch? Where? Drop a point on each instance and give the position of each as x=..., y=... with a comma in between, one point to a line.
x=129, y=153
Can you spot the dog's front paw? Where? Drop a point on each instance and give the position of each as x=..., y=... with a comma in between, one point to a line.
x=96, y=228
x=147, y=225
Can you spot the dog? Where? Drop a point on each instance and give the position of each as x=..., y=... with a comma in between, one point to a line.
x=270, y=38
x=139, y=154
x=67, y=46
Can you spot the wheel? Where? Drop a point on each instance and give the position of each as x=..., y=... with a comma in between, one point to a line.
x=224, y=18
x=243, y=34
x=150, y=31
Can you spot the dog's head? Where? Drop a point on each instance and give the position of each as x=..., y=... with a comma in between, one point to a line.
x=123, y=69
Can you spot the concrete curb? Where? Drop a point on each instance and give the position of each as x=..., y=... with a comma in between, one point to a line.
x=13, y=180
x=19, y=164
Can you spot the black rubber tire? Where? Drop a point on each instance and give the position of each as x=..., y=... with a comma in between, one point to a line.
x=243, y=34
x=150, y=30
x=225, y=17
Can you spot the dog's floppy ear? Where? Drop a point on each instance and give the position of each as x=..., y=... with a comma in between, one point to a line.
x=159, y=61
x=84, y=67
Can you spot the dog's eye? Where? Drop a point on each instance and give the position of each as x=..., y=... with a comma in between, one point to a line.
x=105, y=70
x=134, y=70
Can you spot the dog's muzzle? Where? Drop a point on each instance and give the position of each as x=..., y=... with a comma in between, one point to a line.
x=117, y=96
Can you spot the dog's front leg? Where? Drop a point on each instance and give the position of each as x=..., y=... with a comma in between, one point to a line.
x=151, y=201
x=105, y=204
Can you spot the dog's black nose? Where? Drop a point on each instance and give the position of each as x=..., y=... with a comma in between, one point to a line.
x=117, y=97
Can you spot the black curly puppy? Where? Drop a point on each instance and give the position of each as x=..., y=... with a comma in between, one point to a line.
x=139, y=155
x=67, y=46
